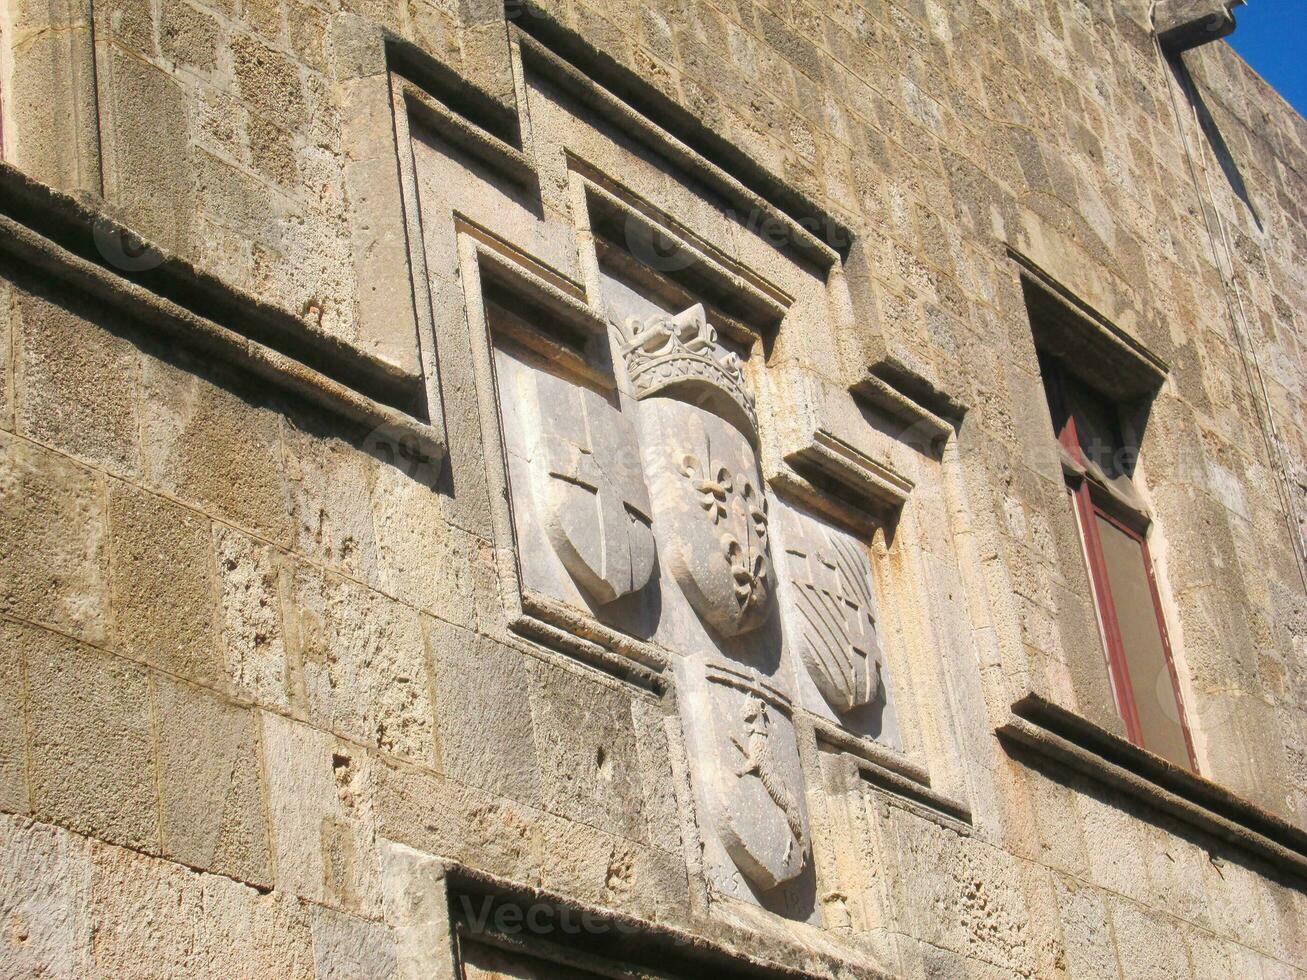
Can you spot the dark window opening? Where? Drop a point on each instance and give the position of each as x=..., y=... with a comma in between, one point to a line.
x=1113, y=527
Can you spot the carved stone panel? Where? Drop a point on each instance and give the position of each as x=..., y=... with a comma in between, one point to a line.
x=833, y=610
x=577, y=486
x=589, y=490
x=747, y=763
x=709, y=502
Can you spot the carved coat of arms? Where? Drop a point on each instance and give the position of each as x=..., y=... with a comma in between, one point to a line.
x=590, y=492
x=710, y=506
x=836, y=612
x=755, y=782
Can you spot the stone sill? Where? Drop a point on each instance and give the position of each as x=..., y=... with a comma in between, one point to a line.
x=1065, y=737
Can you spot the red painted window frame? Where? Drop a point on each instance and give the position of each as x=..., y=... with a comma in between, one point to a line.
x=1092, y=505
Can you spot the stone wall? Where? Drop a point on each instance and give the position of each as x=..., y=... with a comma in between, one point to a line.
x=308, y=659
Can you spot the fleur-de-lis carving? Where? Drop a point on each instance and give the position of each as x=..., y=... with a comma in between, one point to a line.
x=756, y=505
x=749, y=569
x=713, y=484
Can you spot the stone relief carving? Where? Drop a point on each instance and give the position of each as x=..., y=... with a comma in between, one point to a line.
x=590, y=493
x=664, y=471
x=753, y=783
x=835, y=611
x=709, y=506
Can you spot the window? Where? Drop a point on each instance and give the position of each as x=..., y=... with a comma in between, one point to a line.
x=1099, y=463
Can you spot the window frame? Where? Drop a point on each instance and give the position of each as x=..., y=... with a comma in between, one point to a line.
x=1092, y=503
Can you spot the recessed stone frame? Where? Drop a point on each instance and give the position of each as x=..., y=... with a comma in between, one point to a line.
x=497, y=275
x=863, y=496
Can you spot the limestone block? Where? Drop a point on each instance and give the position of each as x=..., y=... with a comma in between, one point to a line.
x=470, y=826
x=52, y=522
x=658, y=778
x=586, y=746
x=147, y=154
x=1150, y=944
x=1086, y=929
x=45, y=889
x=161, y=575
x=349, y=948
x=188, y=36
x=417, y=912
x=483, y=698
x=210, y=443
x=76, y=382
x=13, y=730
x=249, y=618
x=601, y=869
x=1117, y=844
x=320, y=810
x=331, y=487
x=51, y=128
x=425, y=561
x=90, y=740
x=154, y=918
x=363, y=659
x=211, y=798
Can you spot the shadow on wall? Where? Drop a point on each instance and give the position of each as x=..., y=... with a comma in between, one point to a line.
x=1220, y=149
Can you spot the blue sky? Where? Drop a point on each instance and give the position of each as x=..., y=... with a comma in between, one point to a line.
x=1272, y=37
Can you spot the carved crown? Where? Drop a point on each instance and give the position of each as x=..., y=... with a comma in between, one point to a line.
x=682, y=351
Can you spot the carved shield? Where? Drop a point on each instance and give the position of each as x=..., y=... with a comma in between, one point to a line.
x=757, y=797
x=589, y=490
x=835, y=623
x=711, y=513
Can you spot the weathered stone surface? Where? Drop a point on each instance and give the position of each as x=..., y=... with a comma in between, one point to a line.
x=363, y=661
x=211, y=795
x=241, y=642
x=161, y=574
x=45, y=909
x=586, y=751
x=417, y=912
x=483, y=702
x=77, y=382
x=331, y=493
x=320, y=814
x=211, y=447
x=90, y=740
x=250, y=630
x=53, y=518
x=346, y=947
x=153, y=917
x=13, y=732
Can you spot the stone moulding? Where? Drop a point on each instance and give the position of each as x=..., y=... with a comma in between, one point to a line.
x=603, y=941
x=64, y=238
x=641, y=112
x=1065, y=737
x=1087, y=342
